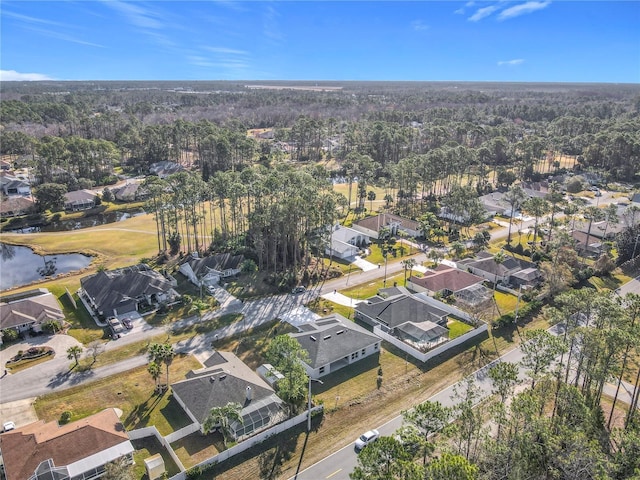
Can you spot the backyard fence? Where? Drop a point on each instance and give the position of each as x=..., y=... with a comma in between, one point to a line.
x=422, y=356
x=250, y=442
x=153, y=432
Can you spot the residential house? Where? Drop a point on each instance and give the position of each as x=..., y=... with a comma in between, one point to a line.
x=79, y=200
x=165, y=168
x=535, y=189
x=371, y=226
x=225, y=379
x=485, y=266
x=495, y=204
x=422, y=335
x=29, y=310
x=12, y=186
x=15, y=206
x=334, y=342
x=636, y=199
x=409, y=318
x=75, y=451
x=117, y=292
x=398, y=308
x=527, y=278
x=130, y=192
x=446, y=280
x=591, y=246
x=210, y=270
x=346, y=242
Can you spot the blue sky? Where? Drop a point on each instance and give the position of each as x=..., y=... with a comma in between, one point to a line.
x=504, y=40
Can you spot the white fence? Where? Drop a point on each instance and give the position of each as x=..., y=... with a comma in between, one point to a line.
x=450, y=309
x=153, y=431
x=183, y=432
x=423, y=357
x=250, y=442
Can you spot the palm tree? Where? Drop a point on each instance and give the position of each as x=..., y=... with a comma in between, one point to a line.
x=74, y=353
x=162, y=353
x=537, y=207
x=514, y=197
x=408, y=264
x=499, y=258
x=593, y=214
x=155, y=372
x=222, y=418
x=371, y=196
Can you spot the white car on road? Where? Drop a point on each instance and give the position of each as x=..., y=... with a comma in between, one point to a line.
x=367, y=438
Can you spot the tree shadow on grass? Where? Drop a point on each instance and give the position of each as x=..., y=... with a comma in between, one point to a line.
x=139, y=416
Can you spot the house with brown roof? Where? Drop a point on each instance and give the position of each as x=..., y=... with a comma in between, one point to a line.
x=14, y=206
x=225, y=379
x=371, y=226
x=29, y=310
x=445, y=280
x=77, y=450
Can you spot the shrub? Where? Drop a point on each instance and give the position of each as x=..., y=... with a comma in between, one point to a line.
x=65, y=417
x=9, y=335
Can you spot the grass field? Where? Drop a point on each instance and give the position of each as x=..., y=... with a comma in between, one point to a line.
x=133, y=393
x=457, y=328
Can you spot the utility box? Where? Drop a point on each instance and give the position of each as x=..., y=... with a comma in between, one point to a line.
x=154, y=466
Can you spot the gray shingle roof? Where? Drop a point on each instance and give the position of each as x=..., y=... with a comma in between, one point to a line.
x=223, y=383
x=400, y=309
x=219, y=263
x=334, y=338
x=120, y=288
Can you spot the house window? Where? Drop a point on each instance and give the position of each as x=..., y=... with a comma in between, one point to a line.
x=363, y=350
x=354, y=355
x=321, y=370
x=375, y=347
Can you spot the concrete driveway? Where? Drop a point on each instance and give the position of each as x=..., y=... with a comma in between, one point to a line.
x=20, y=412
x=60, y=343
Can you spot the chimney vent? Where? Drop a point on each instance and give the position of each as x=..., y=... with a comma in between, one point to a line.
x=249, y=393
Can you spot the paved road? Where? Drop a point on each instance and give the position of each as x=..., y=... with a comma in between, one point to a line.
x=339, y=464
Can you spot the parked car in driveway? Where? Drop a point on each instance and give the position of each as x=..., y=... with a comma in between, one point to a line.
x=300, y=289
x=127, y=324
x=367, y=438
x=8, y=426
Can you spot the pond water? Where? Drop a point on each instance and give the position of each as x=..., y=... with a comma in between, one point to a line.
x=85, y=222
x=21, y=265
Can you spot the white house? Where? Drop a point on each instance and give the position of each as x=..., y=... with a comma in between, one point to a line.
x=345, y=242
x=371, y=226
x=334, y=342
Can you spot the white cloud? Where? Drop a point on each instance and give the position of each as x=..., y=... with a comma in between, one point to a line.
x=136, y=15
x=227, y=51
x=28, y=19
x=459, y=11
x=511, y=63
x=482, y=13
x=523, y=9
x=419, y=25
x=13, y=76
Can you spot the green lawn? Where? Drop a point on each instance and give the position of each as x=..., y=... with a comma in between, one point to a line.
x=457, y=328
x=365, y=291
x=324, y=307
x=146, y=447
x=133, y=393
